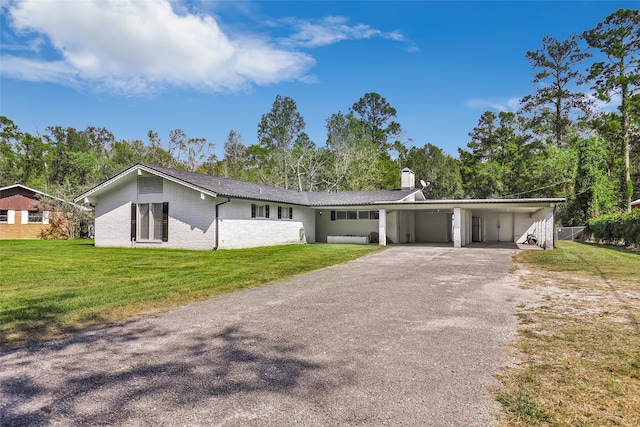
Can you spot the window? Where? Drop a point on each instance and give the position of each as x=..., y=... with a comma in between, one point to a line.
x=4, y=215
x=35, y=216
x=150, y=221
x=285, y=213
x=339, y=215
x=259, y=211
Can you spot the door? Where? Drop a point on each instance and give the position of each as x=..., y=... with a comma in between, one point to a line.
x=476, y=231
x=505, y=227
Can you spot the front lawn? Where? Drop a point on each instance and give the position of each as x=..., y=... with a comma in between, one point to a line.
x=51, y=288
x=580, y=343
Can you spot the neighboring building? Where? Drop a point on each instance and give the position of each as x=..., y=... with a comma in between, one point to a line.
x=635, y=204
x=150, y=206
x=22, y=215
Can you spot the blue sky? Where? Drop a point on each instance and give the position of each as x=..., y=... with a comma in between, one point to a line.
x=208, y=67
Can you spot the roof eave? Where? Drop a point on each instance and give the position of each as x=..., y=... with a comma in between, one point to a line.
x=262, y=199
x=86, y=196
x=546, y=201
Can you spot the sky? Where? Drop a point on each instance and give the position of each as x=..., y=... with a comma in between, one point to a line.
x=208, y=67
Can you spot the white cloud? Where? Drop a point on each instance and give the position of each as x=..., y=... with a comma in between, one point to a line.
x=27, y=69
x=511, y=104
x=610, y=106
x=137, y=47
x=334, y=29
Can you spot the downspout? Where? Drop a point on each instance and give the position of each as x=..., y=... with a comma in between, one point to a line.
x=215, y=248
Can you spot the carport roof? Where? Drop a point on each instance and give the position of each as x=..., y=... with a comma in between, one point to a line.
x=502, y=205
x=491, y=201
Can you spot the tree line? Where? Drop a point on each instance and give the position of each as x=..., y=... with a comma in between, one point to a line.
x=558, y=144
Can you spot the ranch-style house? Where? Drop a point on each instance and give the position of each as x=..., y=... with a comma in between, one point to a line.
x=151, y=206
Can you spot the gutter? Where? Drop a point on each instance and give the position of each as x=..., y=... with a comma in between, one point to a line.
x=215, y=248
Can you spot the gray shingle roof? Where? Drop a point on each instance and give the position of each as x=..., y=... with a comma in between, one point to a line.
x=226, y=187
x=363, y=197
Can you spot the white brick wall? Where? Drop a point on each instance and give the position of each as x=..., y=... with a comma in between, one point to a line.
x=113, y=215
x=192, y=220
x=239, y=230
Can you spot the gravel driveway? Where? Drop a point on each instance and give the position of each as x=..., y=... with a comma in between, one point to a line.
x=409, y=336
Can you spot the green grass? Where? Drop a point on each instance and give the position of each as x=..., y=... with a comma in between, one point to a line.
x=579, y=344
x=609, y=262
x=51, y=288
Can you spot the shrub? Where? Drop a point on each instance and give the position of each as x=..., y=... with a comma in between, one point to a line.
x=616, y=228
x=632, y=227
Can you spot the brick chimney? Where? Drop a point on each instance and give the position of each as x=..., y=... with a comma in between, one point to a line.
x=408, y=179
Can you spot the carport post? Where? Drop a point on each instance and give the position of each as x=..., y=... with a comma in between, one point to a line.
x=549, y=229
x=457, y=230
x=382, y=227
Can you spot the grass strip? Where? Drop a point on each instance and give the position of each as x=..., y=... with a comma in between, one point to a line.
x=579, y=343
x=49, y=289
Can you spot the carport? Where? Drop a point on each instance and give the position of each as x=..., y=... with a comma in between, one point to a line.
x=462, y=222
x=405, y=216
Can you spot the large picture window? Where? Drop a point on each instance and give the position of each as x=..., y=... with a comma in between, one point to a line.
x=150, y=221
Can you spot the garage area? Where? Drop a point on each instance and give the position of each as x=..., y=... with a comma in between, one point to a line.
x=461, y=222
x=434, y=226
